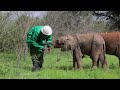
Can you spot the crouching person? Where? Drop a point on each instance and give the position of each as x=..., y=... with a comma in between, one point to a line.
x=37, y=36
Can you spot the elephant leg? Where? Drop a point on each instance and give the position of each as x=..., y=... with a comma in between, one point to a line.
x=77, y=58
x=98, y=63
x=74, y=60
x=94, y=61
x=102, y=58
x=96, y=51
x=79, y=62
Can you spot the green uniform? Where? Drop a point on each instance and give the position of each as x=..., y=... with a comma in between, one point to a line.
x=36, y=38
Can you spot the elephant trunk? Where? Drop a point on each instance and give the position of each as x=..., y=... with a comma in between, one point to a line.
x=55, y=45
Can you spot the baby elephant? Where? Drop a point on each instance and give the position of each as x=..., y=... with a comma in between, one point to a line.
x=84, y=44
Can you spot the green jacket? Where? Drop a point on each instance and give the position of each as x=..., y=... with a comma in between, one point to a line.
x=36, y=38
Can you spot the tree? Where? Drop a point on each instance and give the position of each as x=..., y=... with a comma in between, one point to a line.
x=69, y=22
x=113, y=18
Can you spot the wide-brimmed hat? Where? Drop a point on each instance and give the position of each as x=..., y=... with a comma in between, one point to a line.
x=46, y=30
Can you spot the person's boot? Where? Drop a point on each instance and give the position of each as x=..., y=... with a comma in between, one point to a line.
x=40, y=64
x=35, y=66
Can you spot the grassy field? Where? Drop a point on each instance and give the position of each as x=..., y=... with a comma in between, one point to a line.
x=10, y=69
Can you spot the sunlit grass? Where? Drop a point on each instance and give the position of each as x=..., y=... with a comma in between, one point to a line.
x=53, y=69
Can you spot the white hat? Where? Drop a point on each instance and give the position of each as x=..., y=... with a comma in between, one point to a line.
x=46, y=30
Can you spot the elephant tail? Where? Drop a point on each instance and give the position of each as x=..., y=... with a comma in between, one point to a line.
x=104, y=50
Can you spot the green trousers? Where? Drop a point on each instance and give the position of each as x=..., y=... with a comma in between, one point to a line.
x=37, y=58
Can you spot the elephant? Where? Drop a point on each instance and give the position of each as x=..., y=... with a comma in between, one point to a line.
x=112, y=42
x=84, y=44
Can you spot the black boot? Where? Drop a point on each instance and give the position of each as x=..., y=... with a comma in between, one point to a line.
x=35, y=66
x=40, y=64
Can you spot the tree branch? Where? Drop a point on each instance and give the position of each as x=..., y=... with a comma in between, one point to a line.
x=103, y=14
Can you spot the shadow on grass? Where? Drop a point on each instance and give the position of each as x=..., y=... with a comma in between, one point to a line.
x=64, y=67
x=71, y=67
x=112, y=66
x=85, y=67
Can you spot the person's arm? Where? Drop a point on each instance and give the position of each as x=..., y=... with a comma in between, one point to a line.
x=29, y=35
x=49, y=39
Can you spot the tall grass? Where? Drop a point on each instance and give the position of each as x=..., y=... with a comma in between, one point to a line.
x=10, y=69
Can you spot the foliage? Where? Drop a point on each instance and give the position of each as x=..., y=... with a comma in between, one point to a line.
x=68, y=22
x=113, y=18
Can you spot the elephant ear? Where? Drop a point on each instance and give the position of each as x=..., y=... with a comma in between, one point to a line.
x=73, y=43
x=72, y=47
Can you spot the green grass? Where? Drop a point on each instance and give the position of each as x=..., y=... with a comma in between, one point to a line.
x=10, y=69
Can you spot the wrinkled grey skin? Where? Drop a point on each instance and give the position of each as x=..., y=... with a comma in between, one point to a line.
x=88, y=44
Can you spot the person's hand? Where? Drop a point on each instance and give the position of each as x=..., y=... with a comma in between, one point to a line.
x=49, y=49
x=43, y=49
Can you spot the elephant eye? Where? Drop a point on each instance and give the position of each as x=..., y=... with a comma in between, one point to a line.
x=67, y=39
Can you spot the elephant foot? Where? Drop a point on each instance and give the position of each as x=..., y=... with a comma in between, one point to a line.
x=94, y=68
x=105, y=67
x=80, y=68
